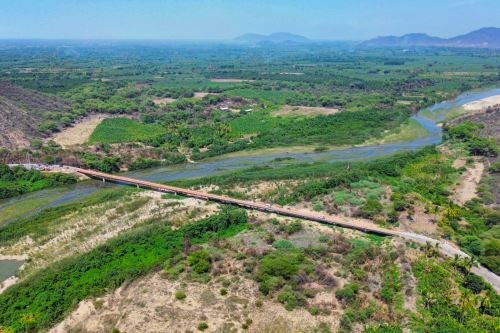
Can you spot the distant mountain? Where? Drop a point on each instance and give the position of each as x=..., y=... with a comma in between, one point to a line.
x=485, y=37
x=278, y=37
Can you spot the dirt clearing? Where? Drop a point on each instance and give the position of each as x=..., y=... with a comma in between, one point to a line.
x=163, y=100
x=469, y=181
x=80, y=132
x=288, y=110
x=230, y=80
x=201, y=94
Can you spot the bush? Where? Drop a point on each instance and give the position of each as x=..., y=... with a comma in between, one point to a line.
x=483, y=147
x=246, y=324
x=371, y=208
x=288, y=297
x=282, y=244
x=473, y=244
x=294, y=227
x=180, y=295
x=348, y=293
x=314, y=310
x=474, y=283
x=199, y=261
x=202, y=326
x=223, y=292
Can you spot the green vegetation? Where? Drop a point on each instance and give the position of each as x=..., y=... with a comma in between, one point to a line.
x=114, y=130
x=277, y=273
x=445, y=307
x=377, y=90
x=18, y=180
x=180, y=295
x=202, y=326
x=42, y=300
x=468, y=133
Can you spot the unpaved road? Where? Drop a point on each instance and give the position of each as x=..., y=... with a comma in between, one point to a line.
x=451, y=250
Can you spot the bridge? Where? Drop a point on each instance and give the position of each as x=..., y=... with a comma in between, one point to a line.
x=263, y=207
x=447, y=248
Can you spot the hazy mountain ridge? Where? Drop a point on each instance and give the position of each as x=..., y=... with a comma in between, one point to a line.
x=278, y=37
x=484, y=37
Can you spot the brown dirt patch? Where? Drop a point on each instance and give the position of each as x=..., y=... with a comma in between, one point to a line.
x=419, y=221
x=163, y=100
x=80, y=132
x=202, y=94
x=468, y=183
x=230, y=80
x=288, y=110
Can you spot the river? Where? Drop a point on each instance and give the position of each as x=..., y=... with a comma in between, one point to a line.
x=31, y=203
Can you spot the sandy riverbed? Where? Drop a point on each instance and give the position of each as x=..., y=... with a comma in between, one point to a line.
x=482, y=103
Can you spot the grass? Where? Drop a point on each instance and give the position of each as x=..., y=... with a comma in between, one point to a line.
x=22, y=207
x=255, y=122
x=39, y=225
x=113, y=130
x=408, y=131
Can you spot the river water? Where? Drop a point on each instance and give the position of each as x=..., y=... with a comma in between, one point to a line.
x=427, y=118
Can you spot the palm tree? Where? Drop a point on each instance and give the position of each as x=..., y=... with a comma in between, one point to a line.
x=468, y=263
x=485, y=304
x=468, y=305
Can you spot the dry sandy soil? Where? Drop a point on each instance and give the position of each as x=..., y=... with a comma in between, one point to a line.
x=92, y=226
x=230, y=80
x=149, y=304
x=80, y=132
x=468, y=183
x=419, y=221
x=202, y=94
x=288, y=110
x=482, y=103
x=163, y=100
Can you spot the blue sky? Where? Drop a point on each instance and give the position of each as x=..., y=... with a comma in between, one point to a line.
x=222, y=19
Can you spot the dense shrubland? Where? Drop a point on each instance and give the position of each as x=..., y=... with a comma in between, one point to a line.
x=18, y=180
x=42, y=300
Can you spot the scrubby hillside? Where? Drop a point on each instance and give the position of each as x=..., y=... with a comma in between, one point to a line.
x=22, y=113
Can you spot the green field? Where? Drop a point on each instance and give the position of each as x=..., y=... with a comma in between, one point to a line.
x=115, y=130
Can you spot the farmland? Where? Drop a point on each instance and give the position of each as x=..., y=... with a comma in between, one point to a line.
x=116, y=130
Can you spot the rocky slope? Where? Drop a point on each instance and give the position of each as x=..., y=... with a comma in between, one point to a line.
x=21, y=112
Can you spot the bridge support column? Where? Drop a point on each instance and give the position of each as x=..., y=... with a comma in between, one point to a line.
x=103, y=180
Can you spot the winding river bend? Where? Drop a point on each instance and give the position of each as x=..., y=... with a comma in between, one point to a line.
x=428, y=118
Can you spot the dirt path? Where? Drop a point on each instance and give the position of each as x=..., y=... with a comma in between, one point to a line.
x=80, y=132
x=469, y=181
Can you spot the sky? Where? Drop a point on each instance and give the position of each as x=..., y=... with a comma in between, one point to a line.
x=226, y=19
